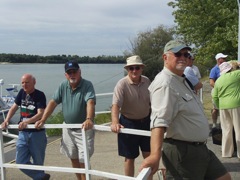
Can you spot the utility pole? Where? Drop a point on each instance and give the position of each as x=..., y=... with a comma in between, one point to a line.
x=238, y=1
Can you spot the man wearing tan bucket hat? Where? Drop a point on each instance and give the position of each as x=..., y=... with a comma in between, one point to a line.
x=131, y=100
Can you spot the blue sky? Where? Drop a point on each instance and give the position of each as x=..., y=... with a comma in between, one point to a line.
x=77, y=27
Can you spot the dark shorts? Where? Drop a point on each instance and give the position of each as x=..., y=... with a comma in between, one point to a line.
x=128, y=144
x=187, y=161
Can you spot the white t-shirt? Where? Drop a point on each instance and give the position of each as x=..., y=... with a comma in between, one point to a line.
x=196, y=71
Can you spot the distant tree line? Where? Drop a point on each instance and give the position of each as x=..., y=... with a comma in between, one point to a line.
x=58, y=59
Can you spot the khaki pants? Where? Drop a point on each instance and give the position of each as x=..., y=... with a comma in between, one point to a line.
x=229, y=118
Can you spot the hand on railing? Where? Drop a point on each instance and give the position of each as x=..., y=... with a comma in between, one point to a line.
x=4, y=125
x=39, y=124
x=151, y=161
x=115, y=127
x=22, y=125
x=87, y=124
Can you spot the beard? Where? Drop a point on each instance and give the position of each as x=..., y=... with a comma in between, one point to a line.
x=72, y=81
x=181, y=67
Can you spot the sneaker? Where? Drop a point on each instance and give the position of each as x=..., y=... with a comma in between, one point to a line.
x=46, y=177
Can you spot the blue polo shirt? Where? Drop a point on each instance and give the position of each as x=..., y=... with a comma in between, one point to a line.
x=214, y=73
x=74, y=102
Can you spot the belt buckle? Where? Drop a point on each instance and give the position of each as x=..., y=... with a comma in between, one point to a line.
x=200, y=143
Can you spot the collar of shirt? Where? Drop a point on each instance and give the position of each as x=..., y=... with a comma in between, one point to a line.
x=131, y=82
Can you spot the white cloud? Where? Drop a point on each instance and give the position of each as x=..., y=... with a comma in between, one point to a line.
x=81, y=27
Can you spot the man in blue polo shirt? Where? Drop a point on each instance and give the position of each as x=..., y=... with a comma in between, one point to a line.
x=214, y=75
x=78, y=100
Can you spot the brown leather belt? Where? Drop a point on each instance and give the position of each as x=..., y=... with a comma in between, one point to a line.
x=170, y=140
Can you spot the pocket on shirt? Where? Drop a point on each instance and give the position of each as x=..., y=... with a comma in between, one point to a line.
x=187, y=97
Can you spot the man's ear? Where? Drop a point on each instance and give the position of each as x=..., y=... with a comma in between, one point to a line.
x=164, y=57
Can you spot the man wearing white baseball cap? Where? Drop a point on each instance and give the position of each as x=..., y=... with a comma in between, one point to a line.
x=214, y=75
x=220, y=55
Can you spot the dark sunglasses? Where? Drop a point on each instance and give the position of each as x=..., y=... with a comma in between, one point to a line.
x=131, y=68
x=179, y=54
x=71, y=72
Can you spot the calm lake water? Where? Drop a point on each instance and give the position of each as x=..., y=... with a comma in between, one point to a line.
x=103, y=76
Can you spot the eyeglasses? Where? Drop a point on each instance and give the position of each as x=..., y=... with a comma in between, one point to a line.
x=179, y=54
x=131, y=68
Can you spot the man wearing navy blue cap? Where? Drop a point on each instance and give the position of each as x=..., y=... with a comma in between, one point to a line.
x=72, y=65
x=78, y=100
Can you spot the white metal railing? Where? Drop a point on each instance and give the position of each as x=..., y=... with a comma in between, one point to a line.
x=143, y=175
x=3, y=113
x=103, y=94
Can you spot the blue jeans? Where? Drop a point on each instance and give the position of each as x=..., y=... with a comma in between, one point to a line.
x=31, y=145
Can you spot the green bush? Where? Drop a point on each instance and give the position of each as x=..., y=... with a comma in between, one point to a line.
x=55, y=119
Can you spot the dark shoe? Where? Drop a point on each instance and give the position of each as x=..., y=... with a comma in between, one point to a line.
x=46, y=177
x=234, y=154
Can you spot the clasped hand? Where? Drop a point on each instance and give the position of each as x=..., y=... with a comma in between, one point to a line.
x=88, y=124
x=22, y=125
x=115, y=127
x=39, y=124
x=4, y=125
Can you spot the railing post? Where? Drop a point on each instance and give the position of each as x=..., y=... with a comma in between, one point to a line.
x=86, y=154
x=2, y=159
x=144, y=174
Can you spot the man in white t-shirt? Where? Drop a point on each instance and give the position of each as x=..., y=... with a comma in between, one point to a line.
x=192, y=76
x=194, y=68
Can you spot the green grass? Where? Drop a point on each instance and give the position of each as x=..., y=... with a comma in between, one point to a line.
x=207, y=104
x=207, y=98
x=102, y=118
x=58, y=119
x=55, y=119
